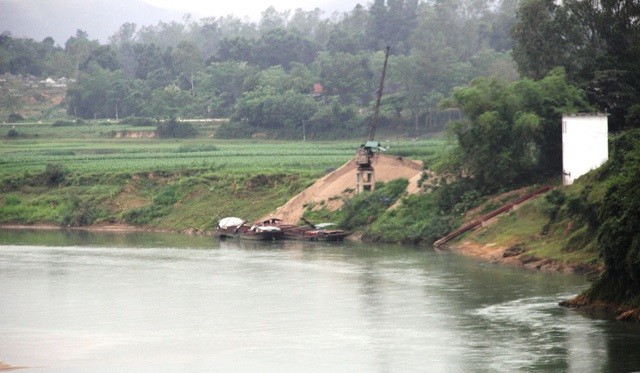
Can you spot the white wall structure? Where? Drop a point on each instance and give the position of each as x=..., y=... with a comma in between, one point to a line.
x=584, y=144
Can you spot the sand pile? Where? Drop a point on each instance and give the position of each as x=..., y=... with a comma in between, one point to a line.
x=341, y=182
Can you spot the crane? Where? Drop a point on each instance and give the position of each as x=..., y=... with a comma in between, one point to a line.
x=365, y=177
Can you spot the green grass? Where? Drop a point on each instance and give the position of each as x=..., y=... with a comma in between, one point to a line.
x=166, y=183
x=87, y=149
x=524, y=226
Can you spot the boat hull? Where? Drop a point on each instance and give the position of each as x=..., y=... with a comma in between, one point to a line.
x=314, y=235
x=259, y=236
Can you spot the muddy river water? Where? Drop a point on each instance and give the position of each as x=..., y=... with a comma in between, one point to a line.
x=105, y=302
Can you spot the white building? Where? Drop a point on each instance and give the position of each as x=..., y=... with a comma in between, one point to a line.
x=584, y=144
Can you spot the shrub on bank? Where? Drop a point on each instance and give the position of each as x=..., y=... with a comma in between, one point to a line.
x=174, y=129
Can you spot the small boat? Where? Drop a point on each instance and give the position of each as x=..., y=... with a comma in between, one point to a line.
x=308, y=232
x=233, y=227
x=323, y=232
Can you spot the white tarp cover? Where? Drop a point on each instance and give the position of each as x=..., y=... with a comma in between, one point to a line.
x=230, y=222
x=268, y=229
x=325, y=225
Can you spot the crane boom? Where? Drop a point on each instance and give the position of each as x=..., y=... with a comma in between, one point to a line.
x=376, y=111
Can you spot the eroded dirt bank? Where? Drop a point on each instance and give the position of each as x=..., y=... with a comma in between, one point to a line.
x=508, y=256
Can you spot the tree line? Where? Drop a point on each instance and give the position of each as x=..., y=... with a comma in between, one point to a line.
x=513, y=68
x=289, y=72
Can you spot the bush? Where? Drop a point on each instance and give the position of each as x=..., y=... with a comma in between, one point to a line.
x=79, y=213
x=14, y=118
x=365, y=208
x=54, y=174
x=13, y=134
x=174, y=130
x=417, y=220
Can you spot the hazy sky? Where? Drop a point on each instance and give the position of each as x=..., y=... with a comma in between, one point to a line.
x=253, y=8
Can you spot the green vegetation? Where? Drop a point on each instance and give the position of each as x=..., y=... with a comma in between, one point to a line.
x=528, y=230
x=609, y=207
x=71, y=176
x=363, y=209
x=293, y=75
x=513, y=134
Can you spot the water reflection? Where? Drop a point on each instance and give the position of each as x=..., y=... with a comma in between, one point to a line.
x=81, y=301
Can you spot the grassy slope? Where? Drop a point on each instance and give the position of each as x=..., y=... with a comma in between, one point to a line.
x=524, y=228
x=167, y=184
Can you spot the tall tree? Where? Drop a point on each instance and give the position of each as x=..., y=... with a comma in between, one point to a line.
x=347, y=76
x=512, y=135
x=595, y=41
x=187, y=61
x=540, y=42
x=79, y=47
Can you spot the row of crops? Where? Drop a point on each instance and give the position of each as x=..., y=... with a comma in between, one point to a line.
x=98, y=154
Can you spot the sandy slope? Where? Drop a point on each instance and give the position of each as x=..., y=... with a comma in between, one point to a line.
x=342, y=181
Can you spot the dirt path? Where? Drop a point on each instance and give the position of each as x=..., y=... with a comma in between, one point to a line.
x=341, y=182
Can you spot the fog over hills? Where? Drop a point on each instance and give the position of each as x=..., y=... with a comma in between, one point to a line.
x=60, y=19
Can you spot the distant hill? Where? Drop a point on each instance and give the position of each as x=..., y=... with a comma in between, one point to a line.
x=60, y=19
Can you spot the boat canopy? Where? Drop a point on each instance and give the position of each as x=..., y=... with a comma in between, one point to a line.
x=230, y=222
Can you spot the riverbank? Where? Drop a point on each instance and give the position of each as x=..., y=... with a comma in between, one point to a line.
x=514, y=256
x=120, y=227
x=504, y=255
x=599, y=308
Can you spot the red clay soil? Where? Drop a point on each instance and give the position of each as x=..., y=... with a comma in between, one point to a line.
x=341, y=182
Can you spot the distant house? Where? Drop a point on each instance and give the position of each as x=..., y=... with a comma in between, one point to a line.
x=317, y=89
x=51, y=83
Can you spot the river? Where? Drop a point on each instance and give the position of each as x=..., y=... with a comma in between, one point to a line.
x=105, y=302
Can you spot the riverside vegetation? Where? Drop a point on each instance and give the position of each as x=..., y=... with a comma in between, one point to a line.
x=80, y=175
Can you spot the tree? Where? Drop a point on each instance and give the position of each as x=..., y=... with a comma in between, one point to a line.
x=347, y=76
x=79, y=47
x=187, y=61
x=88, y=98
x=619, y=230
x=104, y=56
x=237, y=49
x=164, y=34
x=286, y=111
x=512, y=132
x=593, y=40
x=222, y=84
x=272, y=20
x=123, y=43
x=279, y=47
x=170, y=102
x=614, y=92
x=540, y=43
x=149, y=58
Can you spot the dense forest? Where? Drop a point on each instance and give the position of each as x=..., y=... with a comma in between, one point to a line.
x=289, y=70
x=511, y=68
x=293, y=69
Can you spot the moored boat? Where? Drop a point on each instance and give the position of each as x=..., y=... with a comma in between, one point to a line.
x=233, y=227
x=308, y=232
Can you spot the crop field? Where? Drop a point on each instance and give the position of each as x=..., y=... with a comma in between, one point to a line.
x=91, y=149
